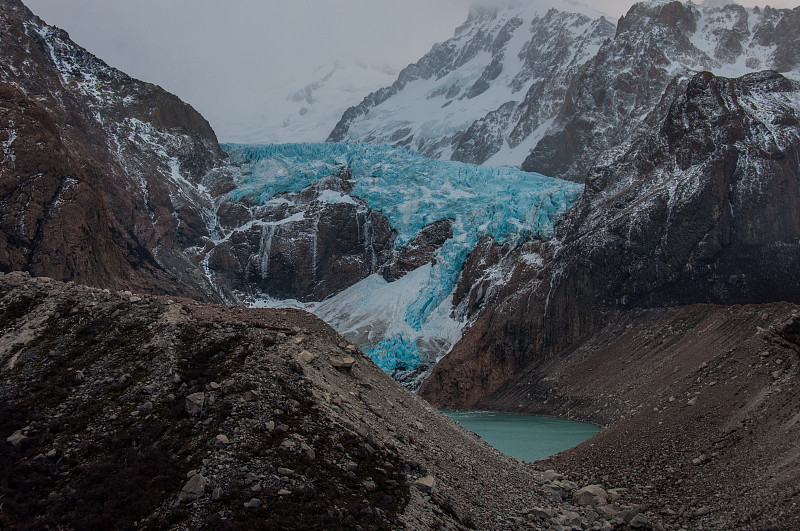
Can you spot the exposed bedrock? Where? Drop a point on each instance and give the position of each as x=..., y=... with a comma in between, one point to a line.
x=99, y=172
x=312, y=244
x=705, y=207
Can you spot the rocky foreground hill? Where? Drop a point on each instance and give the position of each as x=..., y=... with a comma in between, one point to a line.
x=121, y=410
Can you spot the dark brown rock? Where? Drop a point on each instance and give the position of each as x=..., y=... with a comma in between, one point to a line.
x=301, y=246
x=420, y=251
x=85, y=193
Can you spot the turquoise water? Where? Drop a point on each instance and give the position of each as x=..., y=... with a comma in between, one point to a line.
x=524, y=436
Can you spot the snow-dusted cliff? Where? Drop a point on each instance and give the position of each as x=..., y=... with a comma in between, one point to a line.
x=702, y=207
x=100, y=174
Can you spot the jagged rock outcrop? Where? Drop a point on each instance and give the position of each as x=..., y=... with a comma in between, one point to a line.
x=100, y=174
x=309, y=245
x=305, y=246
x=419, y=251
x=654, y=42
x=704, y=208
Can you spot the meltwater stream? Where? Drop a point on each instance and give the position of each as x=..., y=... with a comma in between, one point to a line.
x=524, y=437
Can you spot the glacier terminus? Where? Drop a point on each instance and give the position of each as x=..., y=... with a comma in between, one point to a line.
x=407, y=322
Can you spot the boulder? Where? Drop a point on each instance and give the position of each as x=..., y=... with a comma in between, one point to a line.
x=343, y=364
x=254, y=503
x=307, y=356
x=195, y=403
x=426, y=484
x=593, y=495
x=552, y=475
x=640, y=521
x=193, y=489
x=16, y=438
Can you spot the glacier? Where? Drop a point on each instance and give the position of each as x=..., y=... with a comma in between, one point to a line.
x=410, y=322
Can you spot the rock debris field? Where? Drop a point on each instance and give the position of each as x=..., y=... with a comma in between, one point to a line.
x=122, y=411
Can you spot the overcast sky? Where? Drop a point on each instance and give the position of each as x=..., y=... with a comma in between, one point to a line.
x=220, y=55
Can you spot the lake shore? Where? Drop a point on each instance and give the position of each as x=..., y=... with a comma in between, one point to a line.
x=699, y=407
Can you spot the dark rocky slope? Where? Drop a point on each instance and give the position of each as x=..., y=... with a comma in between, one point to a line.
x=704, y=208
x=124, y=411
x=700, y=405
x=99, y=172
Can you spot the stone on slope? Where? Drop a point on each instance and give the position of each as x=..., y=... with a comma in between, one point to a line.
x=592, y=495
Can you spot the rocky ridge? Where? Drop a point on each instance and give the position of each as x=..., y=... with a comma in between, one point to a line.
x=118, y=161
x=305, y=246
x=655, y=42
x=124, y=410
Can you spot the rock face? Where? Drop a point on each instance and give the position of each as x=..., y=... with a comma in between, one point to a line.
x=702, y=208
x=551, y=91
x=99, y=173
x=419, y=251
x=654, y=42
x=305, y=246
x=311, y=245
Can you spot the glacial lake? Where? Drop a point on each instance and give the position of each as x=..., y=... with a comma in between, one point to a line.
x=524, y=437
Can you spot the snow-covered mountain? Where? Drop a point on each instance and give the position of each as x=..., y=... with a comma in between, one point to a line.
x=657, y=42
x=483, y=93
x=550, y=88
x=308, y=111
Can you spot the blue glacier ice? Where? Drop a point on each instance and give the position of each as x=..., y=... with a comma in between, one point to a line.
x=413, y=191
x=395, y=353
